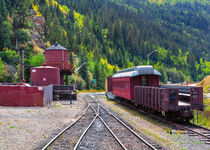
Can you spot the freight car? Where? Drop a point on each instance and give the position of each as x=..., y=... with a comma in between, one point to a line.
x=141, y=85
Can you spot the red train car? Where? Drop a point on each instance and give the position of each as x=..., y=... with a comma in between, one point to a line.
x=141, y=84
x=109, y=84
x=124, y=81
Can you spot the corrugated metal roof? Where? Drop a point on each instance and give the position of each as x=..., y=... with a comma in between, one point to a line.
x=56, y=46
x=136, y=71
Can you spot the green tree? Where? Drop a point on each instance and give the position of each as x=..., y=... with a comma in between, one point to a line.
x=97, y=75
x=5, y=35
x=3, y=11
x=23, y=35
x=23, y=13
x=37, y=59
x=84, y=70
x=163, y=77
x=1, y=67
x=9, y=56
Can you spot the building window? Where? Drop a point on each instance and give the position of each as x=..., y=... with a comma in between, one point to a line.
x=144, y=80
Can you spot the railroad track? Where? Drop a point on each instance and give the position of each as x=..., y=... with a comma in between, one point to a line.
x=68, y=137
x=97, y=128
x=198, y=132
x=128, y=138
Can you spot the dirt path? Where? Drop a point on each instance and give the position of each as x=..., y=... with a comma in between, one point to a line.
x=31, y=127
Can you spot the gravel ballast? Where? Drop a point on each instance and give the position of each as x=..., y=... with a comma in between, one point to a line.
x=32, y=127
x=152, y=129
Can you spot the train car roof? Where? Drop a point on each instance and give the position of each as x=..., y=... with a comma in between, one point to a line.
x=136, y=71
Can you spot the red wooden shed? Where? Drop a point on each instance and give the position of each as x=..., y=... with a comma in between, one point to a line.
x=28, y=96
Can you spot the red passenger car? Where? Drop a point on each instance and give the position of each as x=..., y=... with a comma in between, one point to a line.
x=141, y=84
x=124, y=81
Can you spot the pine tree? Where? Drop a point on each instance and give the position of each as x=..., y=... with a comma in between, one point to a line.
x=3, y=11
x=23, y=13
x=97, y=74
x=84, y=70
x=5, y=35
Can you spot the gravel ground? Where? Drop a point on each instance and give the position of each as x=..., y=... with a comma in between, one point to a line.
x=127, y=138
x=153, y=129
x=99, y=138
x=31, y=127
x=70, y=137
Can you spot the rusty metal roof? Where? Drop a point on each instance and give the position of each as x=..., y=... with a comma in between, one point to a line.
x=136, y=71
x=56, y=46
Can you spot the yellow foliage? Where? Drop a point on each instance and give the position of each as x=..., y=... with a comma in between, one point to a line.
x=54, y=3
x=48, y=44
x=90, y=53
x=205, y=83
x=48, y=2
x=79, y=19
x=37, y=48
x=64, y=9
x=36, y=8
x=65, y=33
x=108, y=66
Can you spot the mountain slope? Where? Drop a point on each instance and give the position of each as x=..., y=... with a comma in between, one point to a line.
x=122, y=33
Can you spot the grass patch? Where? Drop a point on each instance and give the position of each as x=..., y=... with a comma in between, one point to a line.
x=44, y=136
x=11, y=127
x=57, y=105
x=90, y=91
x=136, y=114
x=14, y=127
x=145, y=131
x=203, y=116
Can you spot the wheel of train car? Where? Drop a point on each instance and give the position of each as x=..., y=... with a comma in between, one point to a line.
x=75, y=97
x=151, y=111
x=168, y=116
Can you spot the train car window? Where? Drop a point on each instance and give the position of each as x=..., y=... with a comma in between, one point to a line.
x=144, y=80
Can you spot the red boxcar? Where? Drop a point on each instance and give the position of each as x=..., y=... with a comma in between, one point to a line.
x=141, y=84
x=124, y=81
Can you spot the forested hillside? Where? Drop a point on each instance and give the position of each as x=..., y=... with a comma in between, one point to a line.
x=108, y=35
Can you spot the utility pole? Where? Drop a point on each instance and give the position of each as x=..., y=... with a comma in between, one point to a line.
x=18, y=50
x=149, y=55
x=21, y=59
x=22, y=63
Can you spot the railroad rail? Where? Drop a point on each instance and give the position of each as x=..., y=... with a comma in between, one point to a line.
x=122, y=131
x=74, y=131
x=200, y=132
x=85, y=144
x=93, y=130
